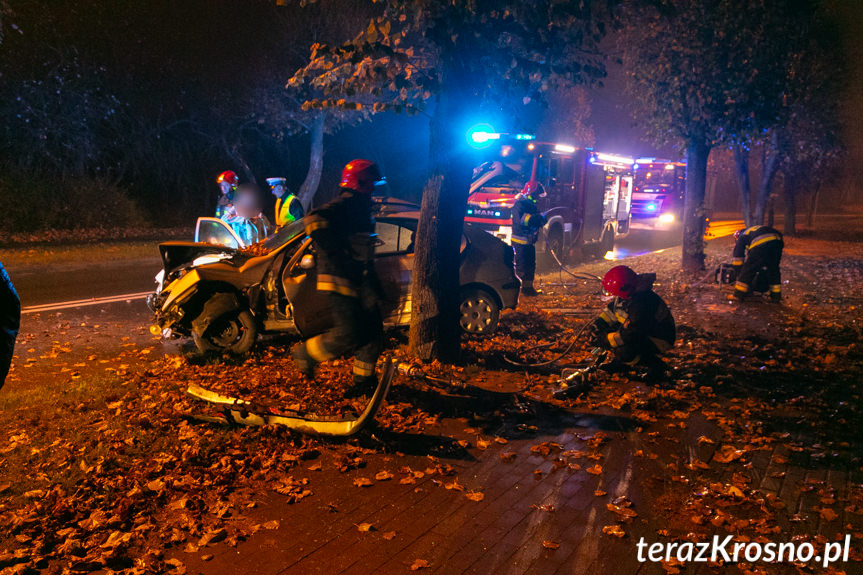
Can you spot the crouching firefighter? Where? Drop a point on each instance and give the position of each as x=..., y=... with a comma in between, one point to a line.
x=637, y=325
x=526, y=223
x=755, y=259
x=343, y=232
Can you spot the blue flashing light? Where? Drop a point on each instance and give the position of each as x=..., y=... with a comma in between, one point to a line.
x=469, y=212
x=497, y=214
x=481, y=135
x=651, y=207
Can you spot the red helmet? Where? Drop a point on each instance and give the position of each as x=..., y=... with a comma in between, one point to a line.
x=360, y=175
x=228, y=176
x=533, y=190
x=620, y=281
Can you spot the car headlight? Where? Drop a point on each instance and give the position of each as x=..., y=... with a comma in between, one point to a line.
x=666, y=218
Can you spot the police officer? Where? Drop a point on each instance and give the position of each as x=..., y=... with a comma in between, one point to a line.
x=757, y=252
x=343, y=232
x=637, y=325
x=227, y=181
x=526, y=223
x=288, y=206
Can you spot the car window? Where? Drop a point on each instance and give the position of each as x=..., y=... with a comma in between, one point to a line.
x=215, y=231
x=393, y=238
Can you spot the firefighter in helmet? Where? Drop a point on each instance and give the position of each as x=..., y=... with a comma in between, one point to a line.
x=227, y=181
x=637, y=325
x=526, y=223
x=288, y=206
x=756, y=257
x=343, y=232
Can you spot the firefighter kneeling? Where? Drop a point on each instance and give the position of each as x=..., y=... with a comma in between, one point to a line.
x=637, y=325
x=526, y=223
x=343, y=232
x=756, y=258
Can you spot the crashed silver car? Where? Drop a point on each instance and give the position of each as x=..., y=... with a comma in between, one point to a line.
x=224, y=297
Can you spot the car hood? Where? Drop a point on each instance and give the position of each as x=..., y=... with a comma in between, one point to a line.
x=176, y=254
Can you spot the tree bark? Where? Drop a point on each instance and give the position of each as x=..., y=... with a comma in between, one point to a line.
x=813, y=207
x=434, y=330
x=697, y=152
x=768, y=174
x=741, y=171
x=309, y=187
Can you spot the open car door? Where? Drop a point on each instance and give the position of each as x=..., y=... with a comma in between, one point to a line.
x=215, y=231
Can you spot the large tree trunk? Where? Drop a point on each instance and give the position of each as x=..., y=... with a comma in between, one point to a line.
x=741, y=171
x=309, y=187
x=768, y=174
x=434, y=330
x=697, y=152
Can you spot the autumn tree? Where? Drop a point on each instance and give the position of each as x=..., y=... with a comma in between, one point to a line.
x=703, y=73
x=457, y=58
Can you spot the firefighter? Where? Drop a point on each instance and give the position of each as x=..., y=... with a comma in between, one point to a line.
x=755, y=260
x=343, y=232
x=288, y=206
x=227, y=181
x=10, y=321
x=637, y=325
x=526, y=223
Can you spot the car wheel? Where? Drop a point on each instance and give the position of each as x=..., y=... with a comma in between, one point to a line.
x=234, y=332
x=479, y=312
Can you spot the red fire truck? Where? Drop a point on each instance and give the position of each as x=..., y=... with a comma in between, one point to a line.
x=588, y=194
x=657, y=198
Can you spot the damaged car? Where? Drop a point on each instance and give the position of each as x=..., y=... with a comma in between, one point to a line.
x=224, y=297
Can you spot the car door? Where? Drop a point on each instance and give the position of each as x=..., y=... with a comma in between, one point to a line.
x=394, y=261
x=215, y=231
x=309, y=308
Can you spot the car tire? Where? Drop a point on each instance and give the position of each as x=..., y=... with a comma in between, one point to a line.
x=478, y=312
x=234, y=332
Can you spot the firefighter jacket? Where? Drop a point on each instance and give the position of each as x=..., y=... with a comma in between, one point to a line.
x=752, y=238
x=288, y=209
x=343, y=232
x=634, y=321
x=526, y=220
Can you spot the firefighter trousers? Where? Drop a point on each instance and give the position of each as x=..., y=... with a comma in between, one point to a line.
x=760, y=270
x=525, y=262
x=357, y=329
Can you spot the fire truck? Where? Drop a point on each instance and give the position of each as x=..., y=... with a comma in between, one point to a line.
x=588, y=194
x=657, y=198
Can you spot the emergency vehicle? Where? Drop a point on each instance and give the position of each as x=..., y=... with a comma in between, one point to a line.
x=657, y=198
x=588, y=194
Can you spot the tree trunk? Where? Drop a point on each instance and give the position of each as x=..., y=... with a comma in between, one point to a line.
x=813, y=207
x=310, y=185
x=741, y=171
x=768, y=173
x=792, y=190
x=434, y=330
x=697, y=152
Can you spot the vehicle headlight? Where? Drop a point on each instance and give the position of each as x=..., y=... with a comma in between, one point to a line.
x=666, y=218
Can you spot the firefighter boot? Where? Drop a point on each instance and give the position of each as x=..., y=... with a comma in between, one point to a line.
x=528, y=290
x=304, y=361
x=776, y=297
x=738, y=295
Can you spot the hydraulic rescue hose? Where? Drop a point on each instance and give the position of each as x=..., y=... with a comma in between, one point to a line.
x=555, y=359
x=565, y=352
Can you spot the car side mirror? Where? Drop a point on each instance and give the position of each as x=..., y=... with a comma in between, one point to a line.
x=307, y=262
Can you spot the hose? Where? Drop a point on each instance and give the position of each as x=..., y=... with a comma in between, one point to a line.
x=581, y=276
x=555, y=359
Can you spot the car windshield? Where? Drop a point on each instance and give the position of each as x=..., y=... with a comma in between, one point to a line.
x=282, y=236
